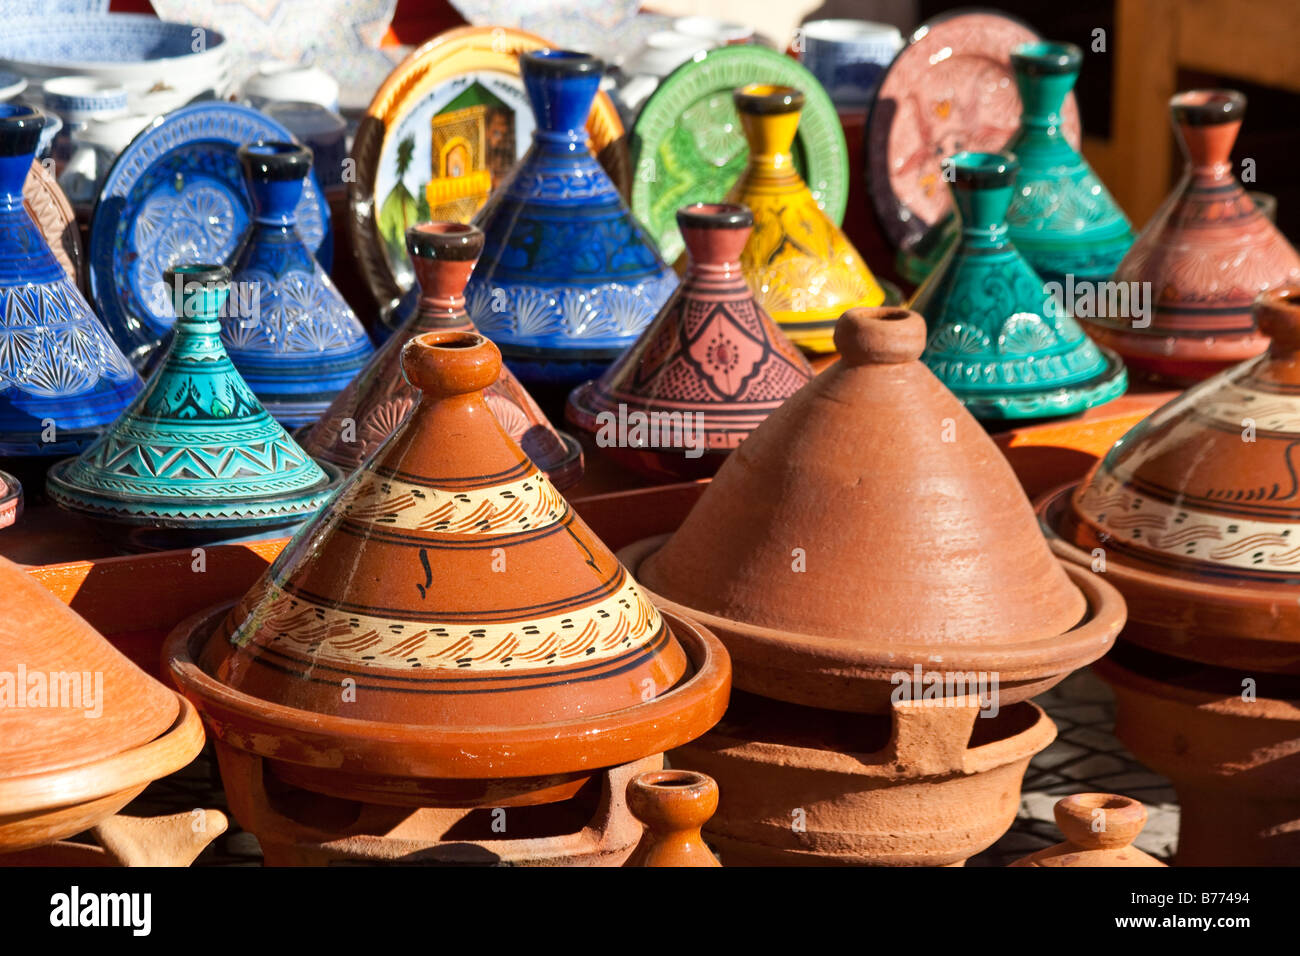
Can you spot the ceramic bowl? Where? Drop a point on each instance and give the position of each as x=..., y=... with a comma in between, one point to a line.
x=11, y=85
x=848, y=57
x=76, y=98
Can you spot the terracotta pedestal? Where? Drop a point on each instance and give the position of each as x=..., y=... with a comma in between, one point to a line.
x=927, y=786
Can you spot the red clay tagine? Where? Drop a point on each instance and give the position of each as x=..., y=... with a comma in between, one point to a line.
x=1206, y=255
x=448, y=633
x=1195, y=516
x=673, y=805
x=364, y=414
x=710, y=367
x=1099, y=830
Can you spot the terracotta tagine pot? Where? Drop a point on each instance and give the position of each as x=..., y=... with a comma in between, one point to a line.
x=84, y=729
x=1191, y=515
x=711, y=366
x=1207, y=253
x=365, y=413
x=874, y=473
x=1099, y=830
x=1061, y=218
x=998, y=338
x=673, y=805
x=195, y=455
x=405, y=651
x=293, y=338
x=62, y=378
x=802, y=268
x=569, y=278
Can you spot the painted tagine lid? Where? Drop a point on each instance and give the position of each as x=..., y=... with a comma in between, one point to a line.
x=195, y=450
x=365, y=413
x=62, y=378
x=1000, y=338
x=1207, y=253
x=1099, y=830
x=802, y=268
x=1062, y=219
x=869, y=525
x=487, y=633
x=569, y=277
x=294, y=339
x=712, y=365
x=1195, y=513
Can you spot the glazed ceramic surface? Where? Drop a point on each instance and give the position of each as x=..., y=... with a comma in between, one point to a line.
x=49, y=208
x=997, y=337
x=1061, y=218
x=175, y=195
x=456, y=587
x=673, y=805
x=568, y=277
x=294, y=340
x=11, y=499
x=848, y=57
x=688, y=145
x=949, y=90
x=445, y=128
x=712, y=356
x=195, y=449
x=802, y=269
x=1195, y=511
x=62, y=378
x=379, y=398
x=875, y=474
x=1207, y=253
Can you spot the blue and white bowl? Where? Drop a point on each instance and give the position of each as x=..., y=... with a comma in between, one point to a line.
x=848, y=57
x=77, y=98
x=11, y=84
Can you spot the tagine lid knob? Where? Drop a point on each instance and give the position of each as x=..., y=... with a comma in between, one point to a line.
x=673, y=805
x=880, y=336
x=1099, y=830
x=444, y=364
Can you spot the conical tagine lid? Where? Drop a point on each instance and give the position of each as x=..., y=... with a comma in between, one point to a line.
x=870, y=524
x=713, y=361
x=457, y=589
x=1195, y=513
x=195, y=449
x=365, y=413
x=1207, y=254
x=67, y=696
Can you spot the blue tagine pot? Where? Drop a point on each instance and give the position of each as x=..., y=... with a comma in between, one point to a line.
x=62, y=378
x=568, y=278
x=288, y=330
x=196, y=455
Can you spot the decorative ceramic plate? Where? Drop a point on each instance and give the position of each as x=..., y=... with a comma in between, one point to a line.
x=951, y=88
x=445, y=127
x=11, y=499
x=53, y=215
x=177, y=193
x=687, y=145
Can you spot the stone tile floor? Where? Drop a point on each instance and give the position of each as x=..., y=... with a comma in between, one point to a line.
x=1084, y=757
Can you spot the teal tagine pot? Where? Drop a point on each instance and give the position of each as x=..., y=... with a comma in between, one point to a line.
x=62, y=378
x=997, y=338
x=195, y=454
x=1061, y=218
x=568, y=278
x=294, y=339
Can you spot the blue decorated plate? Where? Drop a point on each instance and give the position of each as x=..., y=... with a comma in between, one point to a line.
x=176, y=194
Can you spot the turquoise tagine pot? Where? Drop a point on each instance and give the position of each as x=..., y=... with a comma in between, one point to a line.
x=195, y=451
x=996, y=337
x=1061, y=218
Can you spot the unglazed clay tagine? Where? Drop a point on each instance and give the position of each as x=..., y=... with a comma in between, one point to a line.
x=802, y=268
x=195, y=451
x=498, y=650
x=569, y=278
x=75, y=751
x=365, y=413
x=998, y=336
x=673, y=805
x=62, y=378
x=294, y=340
x=874, y=473
x=1195, y=513
x=1099, y=830
x=1207, y=253
x=712, y=365
x=1061, y=218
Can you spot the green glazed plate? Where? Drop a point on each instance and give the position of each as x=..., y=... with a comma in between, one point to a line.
x=687, y=145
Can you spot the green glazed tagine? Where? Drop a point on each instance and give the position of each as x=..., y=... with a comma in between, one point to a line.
x=996, y=336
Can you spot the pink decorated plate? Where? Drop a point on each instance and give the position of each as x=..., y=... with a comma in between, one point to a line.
x=11, y=499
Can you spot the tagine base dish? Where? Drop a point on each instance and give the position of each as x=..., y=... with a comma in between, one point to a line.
x=1056, y=402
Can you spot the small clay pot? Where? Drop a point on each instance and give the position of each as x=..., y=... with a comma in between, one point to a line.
x=1099, y=830
x=673, y=805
